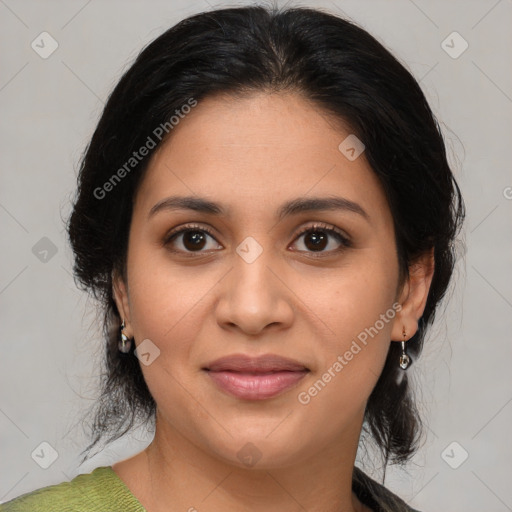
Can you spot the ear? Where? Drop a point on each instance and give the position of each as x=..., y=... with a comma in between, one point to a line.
x=413, y=296
x=122, y=300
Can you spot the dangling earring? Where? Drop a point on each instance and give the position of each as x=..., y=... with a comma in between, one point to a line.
x=405, y=360
x=125, y=344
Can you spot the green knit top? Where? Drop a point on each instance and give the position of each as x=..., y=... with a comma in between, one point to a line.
x=103, y=491
x=99, y=491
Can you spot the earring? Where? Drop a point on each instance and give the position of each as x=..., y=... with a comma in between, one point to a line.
x=126, y=343
x=405, y=360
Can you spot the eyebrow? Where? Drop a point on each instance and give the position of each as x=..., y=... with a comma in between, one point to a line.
x=293, y=207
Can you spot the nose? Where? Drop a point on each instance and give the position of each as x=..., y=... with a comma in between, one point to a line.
x=254, y=297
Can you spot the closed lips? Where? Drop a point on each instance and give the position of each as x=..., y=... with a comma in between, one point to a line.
x=255, y=378
x=255, y=365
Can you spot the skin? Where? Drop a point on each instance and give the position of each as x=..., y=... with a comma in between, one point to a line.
x=252, y=154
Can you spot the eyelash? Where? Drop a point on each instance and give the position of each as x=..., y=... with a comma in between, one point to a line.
x=333, y=231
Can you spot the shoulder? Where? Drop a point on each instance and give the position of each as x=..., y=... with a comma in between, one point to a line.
x=97, y=491
x=376, y=496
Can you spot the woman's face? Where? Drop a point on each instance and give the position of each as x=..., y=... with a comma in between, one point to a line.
x=245, y=281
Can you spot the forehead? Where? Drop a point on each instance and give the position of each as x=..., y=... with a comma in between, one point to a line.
x=256, y=151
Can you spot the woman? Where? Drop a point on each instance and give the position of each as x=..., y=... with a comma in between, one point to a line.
x=267, y=216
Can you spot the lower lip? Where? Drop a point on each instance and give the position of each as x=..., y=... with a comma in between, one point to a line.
x=250, y=386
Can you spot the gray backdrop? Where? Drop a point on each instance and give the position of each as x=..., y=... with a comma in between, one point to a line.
x=51, y=97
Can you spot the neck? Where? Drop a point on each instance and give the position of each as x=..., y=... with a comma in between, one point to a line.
x=181, y=476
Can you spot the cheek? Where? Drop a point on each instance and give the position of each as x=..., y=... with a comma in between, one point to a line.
x=170, y=306
x=359, y=309
x=349, y=363
x=168, y=311
x=164, y=296
x=352, y=299
x=171, y=317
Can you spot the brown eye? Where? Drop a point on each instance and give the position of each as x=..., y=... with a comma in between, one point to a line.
x=193, y=240
x=190, y=239
x=318, y=238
